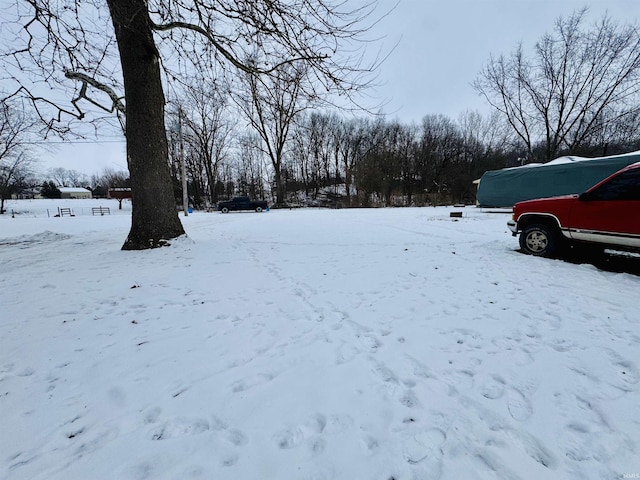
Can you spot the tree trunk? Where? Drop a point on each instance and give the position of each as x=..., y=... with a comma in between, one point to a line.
x=277, y=173
x=154, y=217
x=211, y=180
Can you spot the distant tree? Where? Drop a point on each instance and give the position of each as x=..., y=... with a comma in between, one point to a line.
x=50, y=190
x=108, y=179
x=486, y=145
x=68, y=178
x=16, y=176
x=356, y=139
x=312, y=151
x=250, y=167
x=202, y=115
x=387, y=169
x=577, y=83
x=111, y=178
x=404, y=151
x=440, y=146
x=271, y=106
x=16, y=134
x=59, y=175
x=77, y=179
x=301, y=154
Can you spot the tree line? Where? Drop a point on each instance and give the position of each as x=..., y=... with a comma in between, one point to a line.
x=240, y=98
x=335, y=161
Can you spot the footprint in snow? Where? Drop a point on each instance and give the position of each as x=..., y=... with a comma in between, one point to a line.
x=235, y=436
x=424, y=449
x=370, y=445
x=562, y=345
x=152, y=415
x=626, y=372
x=531, y=446
x=7, y=368
x=252, y=381
x=180, y=427
x=519, y=407
x=310, y=431
x=369, y=341
x=229, y=460
x=345, y=353
x=409, y=399
x=290, y=437
x=493, y=388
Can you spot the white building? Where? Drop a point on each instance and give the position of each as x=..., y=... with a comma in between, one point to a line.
x=74, y=192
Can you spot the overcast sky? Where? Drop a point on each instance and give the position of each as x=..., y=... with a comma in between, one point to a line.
x=441, y=47
x=443, y=44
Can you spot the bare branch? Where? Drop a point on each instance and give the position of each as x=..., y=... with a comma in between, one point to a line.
x=568, y=90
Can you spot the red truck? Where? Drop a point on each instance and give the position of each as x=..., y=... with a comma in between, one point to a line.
x=607, y=215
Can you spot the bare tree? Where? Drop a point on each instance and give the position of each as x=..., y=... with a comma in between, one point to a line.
x=357, y=138
x=17, y=130
x=111, y=178
x=312, y=152
x=483, y=135
x=68, y=178
x=59, y=176
x=77, y=179
x=73, y=44
x=107, y=179
x=271, y=106
x=16, y=176
x=440, y=145
x=207, y=128
x=250, y=167
x=321, y=136
x=388, y=168
x=577, y=82
x=301, y=153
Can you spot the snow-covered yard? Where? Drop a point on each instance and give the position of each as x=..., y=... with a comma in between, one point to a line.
x=311, y=344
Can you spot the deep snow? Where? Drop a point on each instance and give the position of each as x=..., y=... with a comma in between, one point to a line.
x=310, y=344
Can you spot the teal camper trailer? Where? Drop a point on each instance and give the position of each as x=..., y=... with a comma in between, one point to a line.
x=563, y=176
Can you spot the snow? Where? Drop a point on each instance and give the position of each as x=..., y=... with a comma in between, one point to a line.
x=567, y=159
x=572, y=159
x=73, y=190
x=310, y=344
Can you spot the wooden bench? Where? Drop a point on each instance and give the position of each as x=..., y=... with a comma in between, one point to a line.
x=100, y=211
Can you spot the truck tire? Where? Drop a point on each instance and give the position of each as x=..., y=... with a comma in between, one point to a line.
x=258, y=209
x=224, y=209
x=540, y=240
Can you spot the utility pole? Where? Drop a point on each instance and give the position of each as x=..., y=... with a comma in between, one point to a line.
x=185, y=196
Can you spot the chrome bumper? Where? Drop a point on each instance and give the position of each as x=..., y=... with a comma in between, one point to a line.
x=513, y=226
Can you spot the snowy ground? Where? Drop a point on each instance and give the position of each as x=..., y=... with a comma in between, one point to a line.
x=311, y=344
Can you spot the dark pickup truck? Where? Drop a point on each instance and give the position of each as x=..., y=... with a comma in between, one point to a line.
x=242, y=203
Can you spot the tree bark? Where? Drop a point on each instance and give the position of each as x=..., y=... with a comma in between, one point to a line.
x=154, y=218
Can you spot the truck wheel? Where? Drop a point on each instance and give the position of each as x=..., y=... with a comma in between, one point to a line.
x=225, y=210
x=540, y=240
x=258, y=209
